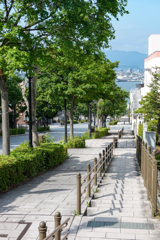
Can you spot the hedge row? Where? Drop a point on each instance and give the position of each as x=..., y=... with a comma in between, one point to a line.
x=113, y=122
x=15, y=131
x=42, y=129
x=77, y=142
x=23, y=163
x=97, y=134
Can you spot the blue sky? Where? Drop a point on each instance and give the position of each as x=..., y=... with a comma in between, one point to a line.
x=133, y=29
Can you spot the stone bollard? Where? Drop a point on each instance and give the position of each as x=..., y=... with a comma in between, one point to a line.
x=41, y=137
x=95, y=170
x=42, y=230
x=100, y=172
x=88, y=179
x=79, y=193
x=57, y=219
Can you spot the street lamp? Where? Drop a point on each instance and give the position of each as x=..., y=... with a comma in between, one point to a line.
x=90, y=134
x=30, y=114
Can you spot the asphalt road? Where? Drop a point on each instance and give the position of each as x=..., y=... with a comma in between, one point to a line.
x=56, y=131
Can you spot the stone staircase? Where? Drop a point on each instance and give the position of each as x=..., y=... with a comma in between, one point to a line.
x=120, y=210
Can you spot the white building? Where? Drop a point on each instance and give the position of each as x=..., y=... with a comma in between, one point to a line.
x=152, y=61
x=135, y=97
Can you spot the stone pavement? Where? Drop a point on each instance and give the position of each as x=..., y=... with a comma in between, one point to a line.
x=120, y=209
x=24, y=207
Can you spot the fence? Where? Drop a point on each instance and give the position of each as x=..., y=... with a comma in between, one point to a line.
x=99, y=166
x=56, y=234
x=148, y=166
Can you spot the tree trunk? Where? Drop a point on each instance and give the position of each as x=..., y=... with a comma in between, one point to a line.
x=98, y=125
x=34, y=108
x=88, y=106
x=71, y=119
x=5, y=115
x=158, y=131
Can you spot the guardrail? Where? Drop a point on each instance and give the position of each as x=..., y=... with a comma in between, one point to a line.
x=148, y=166
x=99, y=166
x=55, y=234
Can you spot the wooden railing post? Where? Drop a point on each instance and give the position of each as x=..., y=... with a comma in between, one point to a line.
x=103, y=160
x=88, y=179
x=57, y=219
x=145, y=163
x=114, y=142
x=111, y=149
x=118, y=135
x=79, y=193
x=148, y=171
x=154, y=184
x=95, y=170
x=42, y=230
x=100, y=172
x=106, y=156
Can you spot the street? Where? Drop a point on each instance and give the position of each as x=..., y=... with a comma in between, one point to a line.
x=56, y=131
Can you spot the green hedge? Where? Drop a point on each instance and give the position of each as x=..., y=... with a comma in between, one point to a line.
x=43, y=129
x=76, y=142
x=152, y=126
x=97, y=134
x=23, y=163
x=140, y=130
x=114, y=122
x=15, y=131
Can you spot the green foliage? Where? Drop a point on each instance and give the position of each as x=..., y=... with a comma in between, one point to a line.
x=114, y=122
x=76, y=142
x=43, y=129
x=152, y=125
x=24, y=162
x=15, y=131
x=140, y=130
x=95, y=190
x=47, y=138
x=97, y=134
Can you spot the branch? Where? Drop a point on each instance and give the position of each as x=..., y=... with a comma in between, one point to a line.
x=44, y=70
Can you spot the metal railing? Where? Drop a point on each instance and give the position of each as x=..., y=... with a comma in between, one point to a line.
x=55, y=234
x=99, y=166
x=148, y=166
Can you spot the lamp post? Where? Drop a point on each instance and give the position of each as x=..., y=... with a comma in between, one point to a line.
x=65, y=119
x=30, y=113
x=90, y=134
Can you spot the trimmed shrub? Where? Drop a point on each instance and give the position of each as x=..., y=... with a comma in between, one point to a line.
x=23, y=163
x=43, y=129
x=140, y=130
x=15, y=131
x=152, y=125
x=77, y=142
x=114, y=122
x=97, y=134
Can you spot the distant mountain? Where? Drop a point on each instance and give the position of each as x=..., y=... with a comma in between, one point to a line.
x=126, y=59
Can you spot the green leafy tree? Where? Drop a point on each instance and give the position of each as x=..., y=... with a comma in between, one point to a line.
x=62, y=22
x=150, y=104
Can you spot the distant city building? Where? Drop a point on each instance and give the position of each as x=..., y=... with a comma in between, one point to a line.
x=151, y=62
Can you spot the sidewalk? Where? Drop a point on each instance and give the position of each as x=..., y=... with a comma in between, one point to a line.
x=119, y=204
x=23, y=208
x=120, y=209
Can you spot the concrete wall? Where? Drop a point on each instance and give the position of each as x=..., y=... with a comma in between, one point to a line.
x=151, y=140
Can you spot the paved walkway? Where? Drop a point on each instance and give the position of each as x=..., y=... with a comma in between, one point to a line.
x=120, y=209
x=38, y=200
x=121, y=199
